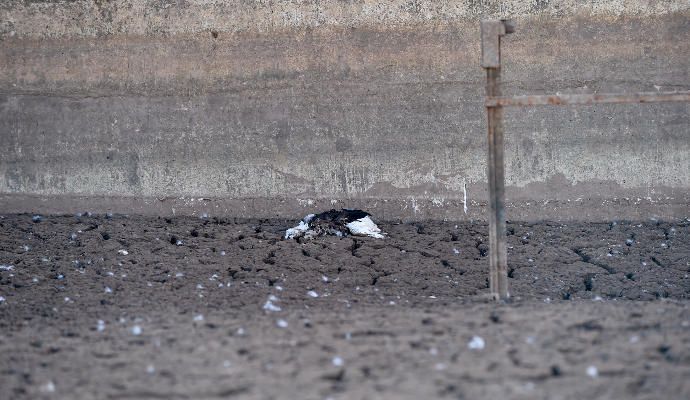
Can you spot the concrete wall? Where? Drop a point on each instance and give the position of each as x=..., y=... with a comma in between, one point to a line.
x=276, y=108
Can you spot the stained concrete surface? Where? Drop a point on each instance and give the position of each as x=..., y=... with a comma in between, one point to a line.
x=350, y=102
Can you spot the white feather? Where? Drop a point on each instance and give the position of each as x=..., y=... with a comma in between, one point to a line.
x=365, y=227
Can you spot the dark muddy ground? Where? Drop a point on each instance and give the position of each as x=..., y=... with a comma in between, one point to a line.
x=186, y=308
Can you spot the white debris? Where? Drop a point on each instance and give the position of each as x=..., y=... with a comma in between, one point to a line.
x=456, y=251
x=337, y=361
x=100, y=325
x=48, y=387
x=136, y=330
x=592, y=371
x=108, y=290
x=269, y=306
x=312, y=293
x=227, y=364
x=634, y=339
x=179, y=275
x=365, y=227
x=324, y=278
x=6, y=267
x=477, y=343
x=282, y=323
x=150, y=369
x=26, y=248
x=440, y=366
x=123, y=252
x=222, y=253
x=299, y=229
x=2, y=299
x=198, y=318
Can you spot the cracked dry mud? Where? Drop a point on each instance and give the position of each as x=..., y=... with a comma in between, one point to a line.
x=600, y=310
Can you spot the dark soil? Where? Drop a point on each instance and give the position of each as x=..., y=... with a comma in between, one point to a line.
x=598, y=311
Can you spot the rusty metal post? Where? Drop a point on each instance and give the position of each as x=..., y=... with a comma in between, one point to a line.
x=491, y=61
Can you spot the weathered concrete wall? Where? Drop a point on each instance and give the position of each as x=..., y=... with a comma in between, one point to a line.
x=272, y=108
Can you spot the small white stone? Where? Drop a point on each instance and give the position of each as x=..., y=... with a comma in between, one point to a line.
x=198, y=317
x=100, y=325
x=282, y=323
x=136, y=330
x=312, y=293
x=150, y=369
x=324, y=278
x=477, y=343
x=49, y=387
x=269, y=306
x=222, y=253
x=123, y=252
x=337, y=361
x=592, y=371
x=108, y=290
x=440, y=366
x=2, y=299
x=634, y=339
x=227, y=364
x=456, y=251
x=179, y=275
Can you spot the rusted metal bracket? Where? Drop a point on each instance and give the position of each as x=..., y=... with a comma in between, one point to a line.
x=491, y=32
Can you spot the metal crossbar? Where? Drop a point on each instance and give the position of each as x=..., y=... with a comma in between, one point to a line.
x=491, y=32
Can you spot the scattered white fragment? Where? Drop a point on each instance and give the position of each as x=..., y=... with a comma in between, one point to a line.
x=240, y=331
x=179, y=243
x=456, y=251
x=592, y=371
x=433, y=351
x=227, y=364
x=391, y=303
x=269, y=306
x=365, y=227
x=199, y=286
x=222, y=253
x=282, y=323
x=312, y=293
x=440, y=366
x=108, y=290
x=67, y=299
x=432, y=297
x=279, y=288
x=179, y=275
x=634, y=339
x=150, y=369
x=337, y=361
x=2, y=299
x=324, y=278
x=100, y=325
x=6, y=267
x=136, y=330
x=123, y=252
x=299, y=229
x=48, y=387
x=198, y=317
x=597, y=298
x=477, y=343
x=213, y=277
x=26, y=248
